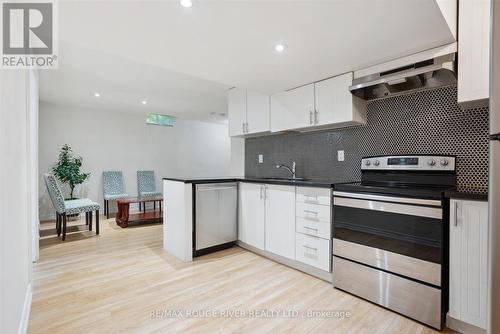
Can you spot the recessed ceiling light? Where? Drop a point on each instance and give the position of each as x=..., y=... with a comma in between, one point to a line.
x=97, y=95
x=144, y=102
x=186, y=3
x=280, y=47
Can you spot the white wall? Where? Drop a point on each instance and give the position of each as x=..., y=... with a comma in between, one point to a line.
x=238, y=157
x=15, y=227
x=122, y=141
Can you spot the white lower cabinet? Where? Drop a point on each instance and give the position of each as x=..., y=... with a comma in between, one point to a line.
x=251, y=214
x=314, y=212
x=292, y=222
x=313, y=251
x=313, y=227
x=280, y=220
x=468, y=261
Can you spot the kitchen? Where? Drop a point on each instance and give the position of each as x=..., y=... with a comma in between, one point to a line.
x=374, y=180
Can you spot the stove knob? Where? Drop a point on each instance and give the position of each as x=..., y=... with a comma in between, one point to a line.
x=443, y=162
x=376, y=162
x=367, y=163
x=431, y=162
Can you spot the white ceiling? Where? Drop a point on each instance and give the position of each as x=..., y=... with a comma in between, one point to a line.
x=182, y=60
x=123, y=84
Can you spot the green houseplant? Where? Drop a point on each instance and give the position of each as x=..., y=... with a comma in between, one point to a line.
x=67, y=169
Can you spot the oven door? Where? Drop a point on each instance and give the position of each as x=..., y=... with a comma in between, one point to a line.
x=389, y=250
x=396, y=234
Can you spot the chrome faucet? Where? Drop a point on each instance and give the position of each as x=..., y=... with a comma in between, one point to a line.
x=290, y=170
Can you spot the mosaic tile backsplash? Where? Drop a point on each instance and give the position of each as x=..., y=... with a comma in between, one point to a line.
x=425, y=122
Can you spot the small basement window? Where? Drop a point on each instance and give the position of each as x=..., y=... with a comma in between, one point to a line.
x=157, y=119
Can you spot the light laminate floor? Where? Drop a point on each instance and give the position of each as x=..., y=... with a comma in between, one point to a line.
x=123, y=282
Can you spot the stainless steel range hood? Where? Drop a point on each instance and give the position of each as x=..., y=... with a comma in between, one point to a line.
x=426, y=74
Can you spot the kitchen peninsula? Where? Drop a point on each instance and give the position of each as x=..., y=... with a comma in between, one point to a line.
x=284, y=219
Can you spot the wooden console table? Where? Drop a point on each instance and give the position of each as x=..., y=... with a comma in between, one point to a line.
x=124, y=217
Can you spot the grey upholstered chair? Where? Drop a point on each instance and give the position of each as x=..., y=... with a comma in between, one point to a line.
x=113, y=188
x=146, y=185
x=65, y=208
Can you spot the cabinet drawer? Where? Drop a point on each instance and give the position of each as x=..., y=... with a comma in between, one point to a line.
x=313, y=212
x=314, y=228
x=312, y=251
x=415, y=300
x=314, y=195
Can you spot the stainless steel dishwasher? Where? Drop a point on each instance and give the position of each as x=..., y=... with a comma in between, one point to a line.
x=216, y=217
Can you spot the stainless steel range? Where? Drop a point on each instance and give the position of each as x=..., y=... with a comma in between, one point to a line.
x=391, y=235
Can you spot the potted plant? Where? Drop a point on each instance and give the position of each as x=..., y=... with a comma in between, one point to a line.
x=67, y=169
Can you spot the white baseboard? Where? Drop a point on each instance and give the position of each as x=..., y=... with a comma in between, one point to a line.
x=25, y=317
x=305, y=268
x=463, y=327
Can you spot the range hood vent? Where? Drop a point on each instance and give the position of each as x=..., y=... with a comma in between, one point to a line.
x=432, y=73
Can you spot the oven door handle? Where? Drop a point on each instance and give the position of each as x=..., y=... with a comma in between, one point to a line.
x=403, y=209
x=383, y=198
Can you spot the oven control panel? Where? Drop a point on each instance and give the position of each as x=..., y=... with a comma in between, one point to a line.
x=409, y=162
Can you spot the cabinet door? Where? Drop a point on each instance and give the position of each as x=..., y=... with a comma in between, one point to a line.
x=258, y=118
x=293, y=109
x=251, y=212
x=280, y=220
x=473, y=50
x=468, y=261
x=237, y=111
x=335, y=104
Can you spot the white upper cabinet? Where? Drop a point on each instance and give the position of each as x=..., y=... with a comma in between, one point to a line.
x=248, y=112
x=473, y=50
x=469, y=262
x=237, y=111
x=335, y=105
x=293, y=109
x=324, y=104
x=258, y=117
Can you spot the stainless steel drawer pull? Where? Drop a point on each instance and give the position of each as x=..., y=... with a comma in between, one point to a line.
x=311, y=228
x=310, y=248
x=311, y=212
x=216, y=188
x=311, y=198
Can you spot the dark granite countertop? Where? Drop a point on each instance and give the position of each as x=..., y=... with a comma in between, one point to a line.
x=464, y=194
x=198, y=180
x=321, y=183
